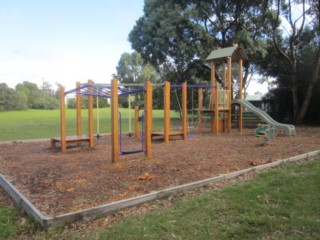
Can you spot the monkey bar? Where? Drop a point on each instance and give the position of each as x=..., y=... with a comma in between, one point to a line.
x=112, y=91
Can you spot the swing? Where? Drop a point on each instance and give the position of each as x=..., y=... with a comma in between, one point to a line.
x=207, y=109
x=131, y=151
x=191, y=125
x=129, y=114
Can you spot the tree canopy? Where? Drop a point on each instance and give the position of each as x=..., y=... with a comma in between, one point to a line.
x=27, y=95
x=132, y=69
x=11, y=100
x=180, y=35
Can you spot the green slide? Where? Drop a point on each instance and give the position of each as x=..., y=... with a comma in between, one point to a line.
x=286, y=128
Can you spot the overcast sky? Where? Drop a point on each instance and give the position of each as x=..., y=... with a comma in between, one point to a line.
x=64, y=41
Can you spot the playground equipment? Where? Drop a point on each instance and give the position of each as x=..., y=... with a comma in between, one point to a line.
x=204, y=108
x=115, y=92
x=112, y=91
x=167, y=131
x=286, y=128
x=79, y=138
x=133, y=138
x=266, y=131
x=219, y=107
x=221, y=94
x=131, y=150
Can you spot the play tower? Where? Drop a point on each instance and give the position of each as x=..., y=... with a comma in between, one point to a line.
x=222, y=61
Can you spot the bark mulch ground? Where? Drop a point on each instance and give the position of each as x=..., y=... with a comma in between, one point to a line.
x=58, y=183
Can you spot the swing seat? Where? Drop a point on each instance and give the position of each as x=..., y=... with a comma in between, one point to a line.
x=131, y=151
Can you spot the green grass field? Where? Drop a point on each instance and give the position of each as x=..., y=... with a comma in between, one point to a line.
x=33, y=124
x=279, y=204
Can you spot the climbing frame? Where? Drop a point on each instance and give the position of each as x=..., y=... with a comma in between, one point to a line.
x=225, y=56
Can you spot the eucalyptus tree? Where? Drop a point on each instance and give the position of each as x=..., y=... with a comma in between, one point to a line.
x=314, y=11
x=295, y=31
x=132, y=69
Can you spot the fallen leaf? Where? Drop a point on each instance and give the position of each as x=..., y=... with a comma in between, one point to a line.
x=70, y=190
x=146, y=176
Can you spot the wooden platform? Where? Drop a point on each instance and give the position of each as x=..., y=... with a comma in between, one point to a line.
x=161, y=134
x=69, y=139
x=207, y=110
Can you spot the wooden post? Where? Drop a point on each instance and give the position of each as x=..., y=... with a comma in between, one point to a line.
x=213, y=92
x=63, y=121
x=214, y=100
x=229, y=60
x=90, y=115
x=225, y=83
x=224, y=74
x=148, y=118
x=200, y=104
x=114, y=122
x=216, y=111
x=184, y=110
x=166, y=112
x=136, y=122
x=78, y=103
x=240, y=95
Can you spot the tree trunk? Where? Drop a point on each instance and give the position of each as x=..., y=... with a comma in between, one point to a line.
x=294, y=89
x=304, y=107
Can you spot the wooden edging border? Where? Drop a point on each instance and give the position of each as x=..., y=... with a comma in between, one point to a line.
x=102, y=210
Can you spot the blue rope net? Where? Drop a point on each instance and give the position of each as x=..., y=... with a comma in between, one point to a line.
x=102, y=90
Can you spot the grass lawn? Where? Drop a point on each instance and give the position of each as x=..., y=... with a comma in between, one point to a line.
x=33, y=124
x=282, y=203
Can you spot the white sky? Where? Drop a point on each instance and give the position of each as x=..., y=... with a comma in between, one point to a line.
x=65, y=41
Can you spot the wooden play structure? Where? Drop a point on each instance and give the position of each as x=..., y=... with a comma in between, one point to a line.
x=113, y=92
x=115, y=120
x=79, y=138
x=222, y=94
x=167, y=131
x=219, y=108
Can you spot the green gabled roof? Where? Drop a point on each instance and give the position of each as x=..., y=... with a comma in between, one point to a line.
x=235, y=52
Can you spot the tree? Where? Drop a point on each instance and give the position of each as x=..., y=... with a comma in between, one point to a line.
x=10, y=99
x=132, y=69
x=36, y=98
x=298, y=35
x=178, y=35
x=315, y=9
x=47, y=88
x=31, y=91
x=129, y=68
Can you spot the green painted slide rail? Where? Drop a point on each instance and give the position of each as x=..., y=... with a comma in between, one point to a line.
x=286, y=128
